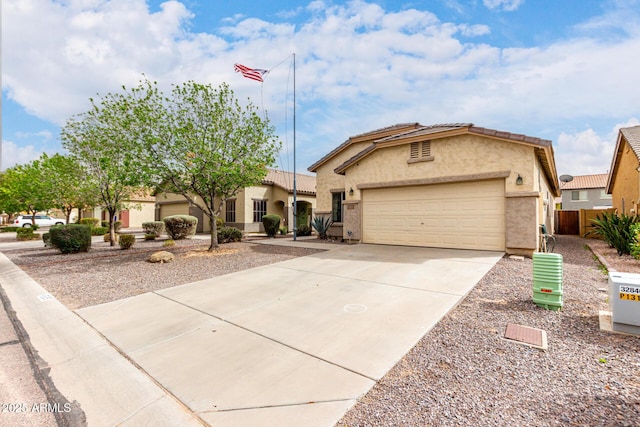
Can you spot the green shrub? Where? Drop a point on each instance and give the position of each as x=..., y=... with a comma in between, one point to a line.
x=107, y=237
x=169, y=242
x=153, y=227
x=25, y=234
x=71, y=238
x=617, y=231
x=271, y=224
x=150, y=236
x=93, y=222
x=180, y=226
x=126, y=240
x=321, y=225
x=283, y=230
x=304, y=230
x=229, y=234
x=219, y=222
x=46, y=238
x=9, y=229
x=635, y=246
x=99, y=231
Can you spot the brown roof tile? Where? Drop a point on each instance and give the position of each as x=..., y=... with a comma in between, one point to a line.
x=582, y=182
x=351, y=139
x=632, y=135
x=305, y=184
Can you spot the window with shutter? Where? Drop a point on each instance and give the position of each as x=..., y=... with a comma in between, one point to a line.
x=414, y=150
x=420, y=152
x=426, y=148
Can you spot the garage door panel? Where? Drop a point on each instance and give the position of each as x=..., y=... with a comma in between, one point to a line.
x=461, y=215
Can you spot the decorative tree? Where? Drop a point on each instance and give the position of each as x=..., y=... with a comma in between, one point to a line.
x=106, y=141
x=206, y=146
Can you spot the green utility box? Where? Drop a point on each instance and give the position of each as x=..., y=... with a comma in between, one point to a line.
x=547, y=280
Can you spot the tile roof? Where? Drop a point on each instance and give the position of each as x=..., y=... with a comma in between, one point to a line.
x=354, y=138
x=426, y=130
x=305, y=184
x=632, y=136
x=511, y=136
x=582, y=182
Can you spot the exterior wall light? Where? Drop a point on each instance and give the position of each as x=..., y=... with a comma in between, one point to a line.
x=519, y=180
x=351, y=191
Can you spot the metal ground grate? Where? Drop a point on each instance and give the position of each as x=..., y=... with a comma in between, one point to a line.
x=525, y=335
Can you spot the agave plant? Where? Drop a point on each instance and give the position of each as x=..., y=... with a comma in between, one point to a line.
x=617, y=231
x=321, y=225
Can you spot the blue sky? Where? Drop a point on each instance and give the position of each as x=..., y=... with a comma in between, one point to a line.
x=561, y=70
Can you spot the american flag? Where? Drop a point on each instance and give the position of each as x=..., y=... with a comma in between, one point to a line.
x=250, y=73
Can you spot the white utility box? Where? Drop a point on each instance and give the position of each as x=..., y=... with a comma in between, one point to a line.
x=624, y=301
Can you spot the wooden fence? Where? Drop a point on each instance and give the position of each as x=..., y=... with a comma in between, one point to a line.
x=578, y=222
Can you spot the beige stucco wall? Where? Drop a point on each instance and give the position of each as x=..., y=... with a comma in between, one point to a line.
x=626, y=185
x=459, y=156
x=331, y=180
x=454, y=156
x=141, y=212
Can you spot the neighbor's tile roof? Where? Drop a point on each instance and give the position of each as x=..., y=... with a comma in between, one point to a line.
x=305, y=184
x=583, y=182
x=632, y=136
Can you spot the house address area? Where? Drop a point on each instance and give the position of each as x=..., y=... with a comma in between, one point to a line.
x=630, y=293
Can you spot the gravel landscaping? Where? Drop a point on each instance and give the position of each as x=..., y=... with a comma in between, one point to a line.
x=462, y=372
x=108, y=273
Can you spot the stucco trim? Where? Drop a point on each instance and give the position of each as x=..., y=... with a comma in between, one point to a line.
x=172, y=202
x=337, y=190
x=438, y=180
x=523, y=194
x=421, y=159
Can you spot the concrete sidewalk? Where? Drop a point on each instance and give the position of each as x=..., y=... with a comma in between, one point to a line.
x=293, y=343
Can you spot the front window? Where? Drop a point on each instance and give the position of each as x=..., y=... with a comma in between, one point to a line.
x=577, y=196
x=336, y=206
x=259, y=210
x=230, y=211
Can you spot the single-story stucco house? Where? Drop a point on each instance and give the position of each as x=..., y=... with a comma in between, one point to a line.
x=137, y=209
x=623, y=182
x=446, y=185
x=245, y=211
x=585, y=192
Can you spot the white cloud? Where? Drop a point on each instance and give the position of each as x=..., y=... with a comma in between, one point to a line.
x=587, y=152
x=508, y=5
x=13, y=154
x=359, y=67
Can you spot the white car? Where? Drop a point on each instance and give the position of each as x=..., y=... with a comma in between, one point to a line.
x=41, y=220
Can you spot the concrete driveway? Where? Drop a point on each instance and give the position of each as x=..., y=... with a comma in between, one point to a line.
x=293, y=343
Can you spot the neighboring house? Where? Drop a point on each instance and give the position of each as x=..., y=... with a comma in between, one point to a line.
x=245, y=211
x=450, y=185
x=585, y=192
x=623, y=182
x=138, y=209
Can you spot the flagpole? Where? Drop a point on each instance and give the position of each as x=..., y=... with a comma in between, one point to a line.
x=295, y=201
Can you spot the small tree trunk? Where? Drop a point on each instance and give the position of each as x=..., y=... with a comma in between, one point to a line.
x=112, y=229
x=214, y=234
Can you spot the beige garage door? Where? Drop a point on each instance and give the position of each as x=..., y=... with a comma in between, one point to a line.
x=467, y=215
x=174, y=209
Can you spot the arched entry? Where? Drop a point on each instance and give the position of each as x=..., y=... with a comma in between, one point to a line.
x=304, y=213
